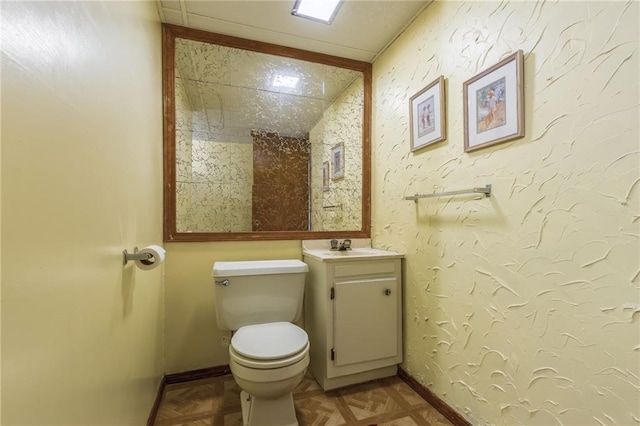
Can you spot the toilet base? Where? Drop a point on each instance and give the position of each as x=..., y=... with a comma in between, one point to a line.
x=271, y=412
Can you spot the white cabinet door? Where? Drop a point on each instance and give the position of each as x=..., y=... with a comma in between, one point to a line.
x=365, y=320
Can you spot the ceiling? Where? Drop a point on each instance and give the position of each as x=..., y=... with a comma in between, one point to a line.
x=361, y=30
x=228, y=93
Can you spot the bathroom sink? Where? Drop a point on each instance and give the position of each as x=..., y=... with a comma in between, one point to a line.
x=320, y=251
x=353, y=252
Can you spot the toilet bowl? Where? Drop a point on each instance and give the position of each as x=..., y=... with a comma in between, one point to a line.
x=268, y=361
x=269, y=355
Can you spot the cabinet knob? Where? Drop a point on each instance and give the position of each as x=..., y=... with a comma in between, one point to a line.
x=387, y=291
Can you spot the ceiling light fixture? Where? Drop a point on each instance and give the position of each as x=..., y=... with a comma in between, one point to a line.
x=285, y=81
x=316, y=10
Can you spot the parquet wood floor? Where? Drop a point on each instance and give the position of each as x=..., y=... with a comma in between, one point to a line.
x=216, y=402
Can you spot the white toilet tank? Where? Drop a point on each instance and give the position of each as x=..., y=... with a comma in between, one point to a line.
x=258, y=292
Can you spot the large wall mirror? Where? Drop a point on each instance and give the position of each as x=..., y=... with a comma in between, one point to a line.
x=263, y=142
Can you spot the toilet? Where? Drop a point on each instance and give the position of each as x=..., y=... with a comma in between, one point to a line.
x=269, y=355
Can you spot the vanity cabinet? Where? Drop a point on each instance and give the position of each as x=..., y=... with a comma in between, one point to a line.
x=353, y=318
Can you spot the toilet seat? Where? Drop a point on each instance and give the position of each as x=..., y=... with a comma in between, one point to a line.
x=268, y=365
x=268, y=346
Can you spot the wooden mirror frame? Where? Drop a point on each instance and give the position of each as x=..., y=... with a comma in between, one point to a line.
x=169, y=35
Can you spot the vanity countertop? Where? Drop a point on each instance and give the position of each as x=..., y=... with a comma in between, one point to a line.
x=360, y=249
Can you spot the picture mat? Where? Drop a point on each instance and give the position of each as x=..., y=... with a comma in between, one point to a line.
x=509, y=72
x=436, y=134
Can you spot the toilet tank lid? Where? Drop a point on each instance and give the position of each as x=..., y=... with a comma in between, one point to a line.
x=258, y=267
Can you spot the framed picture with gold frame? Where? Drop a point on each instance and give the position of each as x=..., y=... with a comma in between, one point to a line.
x=494, y=104
x=337, y=161
x=427, y=115
x=325, y=176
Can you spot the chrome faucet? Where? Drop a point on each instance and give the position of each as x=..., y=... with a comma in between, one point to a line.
x=345, y=245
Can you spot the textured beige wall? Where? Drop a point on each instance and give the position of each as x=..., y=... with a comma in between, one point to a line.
x=341, y=123
x=81, y=181
x=218, y=193
x=0, y=245
x=522, y=308
x=214, y=179
x=184, y=150
x=193, y=339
